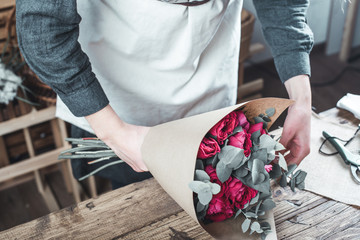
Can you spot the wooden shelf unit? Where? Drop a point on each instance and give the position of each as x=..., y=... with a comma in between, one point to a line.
x=35, y=162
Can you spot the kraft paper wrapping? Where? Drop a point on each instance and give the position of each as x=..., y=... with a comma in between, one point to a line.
x=170, y=151
x=329, y=176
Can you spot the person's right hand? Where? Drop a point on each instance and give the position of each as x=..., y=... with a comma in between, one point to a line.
x=123, y=138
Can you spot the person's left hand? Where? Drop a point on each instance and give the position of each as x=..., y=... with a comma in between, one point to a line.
x=296, y=133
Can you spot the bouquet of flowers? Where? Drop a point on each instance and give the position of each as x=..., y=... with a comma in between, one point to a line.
x=217, y=166
x=234, y=165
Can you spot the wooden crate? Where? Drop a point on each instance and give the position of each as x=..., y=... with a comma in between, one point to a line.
x=41, y=137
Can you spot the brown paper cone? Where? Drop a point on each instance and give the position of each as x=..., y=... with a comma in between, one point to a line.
x=170, y=150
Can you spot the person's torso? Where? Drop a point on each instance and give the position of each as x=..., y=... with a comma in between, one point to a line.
x=159, y=61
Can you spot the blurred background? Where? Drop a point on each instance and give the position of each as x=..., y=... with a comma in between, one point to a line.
x=34, y=183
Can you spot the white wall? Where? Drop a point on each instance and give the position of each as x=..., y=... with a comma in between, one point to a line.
x=325, y=18
x=336, y=27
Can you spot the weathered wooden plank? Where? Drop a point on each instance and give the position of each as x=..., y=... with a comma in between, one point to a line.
x=349, y=233
x=124, y=210
x=309, y=219
x=339, y=218
x=305, y=215
x=178, y=226
x=290, y=204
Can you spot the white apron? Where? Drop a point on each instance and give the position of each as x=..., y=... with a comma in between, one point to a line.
x=158, y=61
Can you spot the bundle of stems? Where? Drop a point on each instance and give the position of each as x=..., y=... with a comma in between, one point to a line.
x=92, y=149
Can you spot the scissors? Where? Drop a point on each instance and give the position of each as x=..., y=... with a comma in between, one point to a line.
x=348, y=157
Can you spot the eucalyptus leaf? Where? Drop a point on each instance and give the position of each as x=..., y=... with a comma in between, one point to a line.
x=199, y=164
x=262, y=187
x=261, y=213
x=255, y=199
x=240, y=172
x=279, y=147
x=255, y=226
x=291, y=168
x=267, y=204
x=223, y=172
x=258, y=120
x=264, y=196
x=275, y=172
x=201, y=175
x=236, y=130
x=257, y=207
x=282, y=162
x=261, y=115
x=266, y=119
x=238, y=213
x=301, y=186
x=292, y=184
x=205, y=197
x=265, y=225
x=270, y=112
x=255, y=137
x=283, y=181
x=242, y=160
x=215, y=188
x=209, y=161
x=246, y=205
x=215, y=160
x=263, y=236
x=260, y=154
x=198, y=186
x=297, y=173
x=271, y=155
x=245, y=225
x=267, y=232
x=201, y=215
x=267, y=142
x=231, y=156
x=250, y=215
x=257, y=171
x=301, y=177
x=258, y=177
x=200, y=207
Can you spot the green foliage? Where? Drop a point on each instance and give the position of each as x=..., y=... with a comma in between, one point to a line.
x=270, y=112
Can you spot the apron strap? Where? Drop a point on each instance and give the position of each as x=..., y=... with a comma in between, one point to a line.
x=192, y=4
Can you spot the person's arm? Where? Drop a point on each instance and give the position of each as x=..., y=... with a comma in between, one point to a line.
x=48, y=34
x=290, y=39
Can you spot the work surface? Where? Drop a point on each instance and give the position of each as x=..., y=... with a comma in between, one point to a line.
x=144, y=211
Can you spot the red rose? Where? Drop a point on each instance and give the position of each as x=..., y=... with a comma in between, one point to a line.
x=243, y=122
x=225, y=127
x=239, y=194
x=256, y=127
x=208, y=148
x=219, y=209
x=241, y=140
x=268, y=168
x=214, y=179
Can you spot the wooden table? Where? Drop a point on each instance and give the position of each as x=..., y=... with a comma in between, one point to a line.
x=144, y=211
